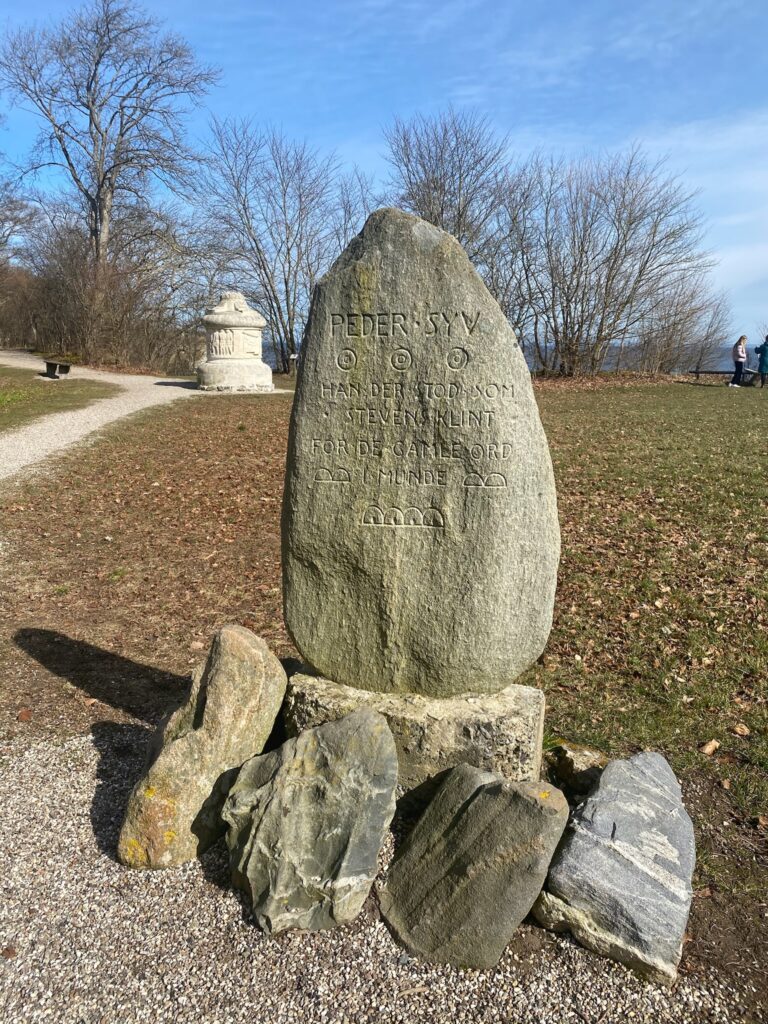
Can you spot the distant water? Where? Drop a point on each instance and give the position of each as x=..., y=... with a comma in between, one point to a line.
x=722, y=360
x=268, y=356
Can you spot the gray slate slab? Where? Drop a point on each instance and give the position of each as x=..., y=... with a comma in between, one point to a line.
x=307, y=822
x=471, y=869
x=621, y=880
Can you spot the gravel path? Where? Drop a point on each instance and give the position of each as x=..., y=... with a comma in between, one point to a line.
x=84, y=940
x=32, y=444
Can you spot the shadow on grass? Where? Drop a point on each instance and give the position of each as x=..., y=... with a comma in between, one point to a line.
x=140, y=690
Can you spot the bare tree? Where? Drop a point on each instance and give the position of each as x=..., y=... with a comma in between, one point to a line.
x=587, y=258
x=685, y=330
x=274, y=204
x=110, y=89
x=17, y=321
x=152, y=294
x=355, y=200
x=590, y=254
x=509, y=258
x=16, y=211
x=58, y=260
x=448, y=169
x=17, y=217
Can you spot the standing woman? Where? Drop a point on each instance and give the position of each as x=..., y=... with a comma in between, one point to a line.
x=762, y=366
x=739, y=361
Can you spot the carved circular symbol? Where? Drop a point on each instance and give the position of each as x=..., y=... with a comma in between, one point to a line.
x=401, y=359
x=457, y=358
x=346, y=359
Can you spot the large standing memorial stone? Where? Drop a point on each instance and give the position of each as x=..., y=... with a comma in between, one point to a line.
x=420, y=528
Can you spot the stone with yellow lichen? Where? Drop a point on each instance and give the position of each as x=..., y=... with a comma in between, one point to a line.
x=173, y=812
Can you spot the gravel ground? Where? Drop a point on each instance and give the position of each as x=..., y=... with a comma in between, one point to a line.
x=31, y=444
x=84, y=940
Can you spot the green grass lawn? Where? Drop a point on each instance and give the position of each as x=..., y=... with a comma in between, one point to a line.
x=25, y=395
x=660, y=637
x=661, y=626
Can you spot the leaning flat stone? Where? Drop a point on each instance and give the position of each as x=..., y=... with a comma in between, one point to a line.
x=307, y=822
x=621, y=880
x=420, y=532
x=173, y=812
x=471, y=869
x=499, y=732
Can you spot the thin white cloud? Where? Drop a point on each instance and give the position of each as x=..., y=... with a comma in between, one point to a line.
x=726, y=160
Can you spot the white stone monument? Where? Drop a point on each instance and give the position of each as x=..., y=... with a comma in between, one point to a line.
x=233, y=348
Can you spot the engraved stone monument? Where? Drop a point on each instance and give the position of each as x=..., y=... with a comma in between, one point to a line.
x=420, y=531
x=233, y=348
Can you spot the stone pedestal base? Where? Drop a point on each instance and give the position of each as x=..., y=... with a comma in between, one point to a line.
x=500, y=732
x=235, y=375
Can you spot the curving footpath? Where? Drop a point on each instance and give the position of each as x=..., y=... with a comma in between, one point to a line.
x=32, y=444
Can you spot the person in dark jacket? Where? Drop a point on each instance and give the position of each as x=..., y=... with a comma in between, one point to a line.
x=762, y=367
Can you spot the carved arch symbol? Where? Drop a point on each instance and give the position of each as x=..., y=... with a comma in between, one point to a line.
x=412, y=516
x=496, y=480
x=434, y=517
x=393, y=517
x=373, y=516
x=332, y=476
x=492, y=480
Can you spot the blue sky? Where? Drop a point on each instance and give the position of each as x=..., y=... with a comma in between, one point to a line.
x=687, y=80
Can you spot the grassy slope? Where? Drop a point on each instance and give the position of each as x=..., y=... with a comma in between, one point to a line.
x=115, y=571
x=661, y=630
x=24, y=395
x=147, y=541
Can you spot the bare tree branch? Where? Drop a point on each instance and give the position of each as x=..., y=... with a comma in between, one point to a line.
x=110, y=90
x=280, y=212
x=448, y=170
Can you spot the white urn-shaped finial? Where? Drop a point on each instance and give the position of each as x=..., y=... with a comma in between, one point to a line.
x=233, y=347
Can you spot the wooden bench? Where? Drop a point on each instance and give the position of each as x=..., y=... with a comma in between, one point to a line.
x=748, y=377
